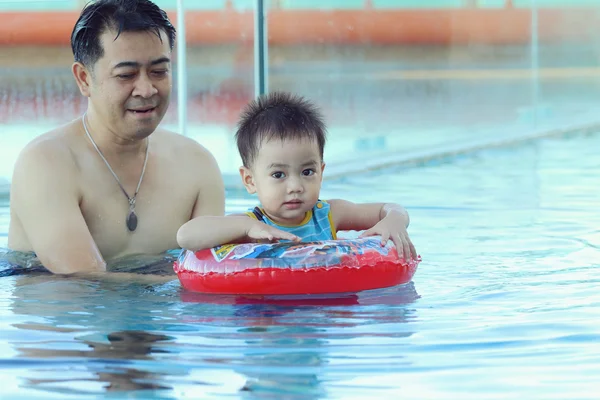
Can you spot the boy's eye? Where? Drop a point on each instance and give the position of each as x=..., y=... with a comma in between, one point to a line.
x=308, y=172
x=278, y=175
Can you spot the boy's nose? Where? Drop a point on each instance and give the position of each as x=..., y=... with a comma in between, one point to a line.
x=295, y=186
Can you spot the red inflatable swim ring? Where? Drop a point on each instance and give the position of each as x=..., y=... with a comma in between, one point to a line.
x=333, y=266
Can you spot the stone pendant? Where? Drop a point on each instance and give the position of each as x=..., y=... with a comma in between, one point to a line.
x=132, y=221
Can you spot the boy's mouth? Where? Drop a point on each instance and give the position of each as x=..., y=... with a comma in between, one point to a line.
x=293, y=204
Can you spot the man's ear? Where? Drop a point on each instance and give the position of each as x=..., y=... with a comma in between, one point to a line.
x=83, y=78
x=247, y=179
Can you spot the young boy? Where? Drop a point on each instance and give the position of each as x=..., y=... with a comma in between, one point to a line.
x=281, y=138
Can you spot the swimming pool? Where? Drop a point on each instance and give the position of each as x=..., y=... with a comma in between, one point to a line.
x=504, y=304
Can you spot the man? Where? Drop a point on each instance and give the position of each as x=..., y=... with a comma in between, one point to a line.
x=110, y=183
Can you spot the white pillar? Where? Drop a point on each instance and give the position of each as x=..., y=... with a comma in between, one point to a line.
x=261, y=49
x=181, y=70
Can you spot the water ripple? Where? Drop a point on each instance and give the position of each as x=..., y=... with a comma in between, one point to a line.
x=504, y=304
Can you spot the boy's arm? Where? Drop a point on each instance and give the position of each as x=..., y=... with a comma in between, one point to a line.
x=389, y=220
x=348, y=216
x=205, y=232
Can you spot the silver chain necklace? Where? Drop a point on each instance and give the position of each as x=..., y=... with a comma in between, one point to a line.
x=132, y=219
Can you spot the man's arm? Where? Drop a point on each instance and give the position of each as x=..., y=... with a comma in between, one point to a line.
x=211, y=192
x=45, y=198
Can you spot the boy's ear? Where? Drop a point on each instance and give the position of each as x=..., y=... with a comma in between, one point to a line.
x=247, y=179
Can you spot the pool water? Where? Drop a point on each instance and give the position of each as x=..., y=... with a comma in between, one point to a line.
x=504, y=305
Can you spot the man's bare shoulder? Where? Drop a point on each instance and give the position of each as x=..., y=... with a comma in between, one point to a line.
x=194, y=166
x=187, y=151
x=52, y=149
x=45, y=165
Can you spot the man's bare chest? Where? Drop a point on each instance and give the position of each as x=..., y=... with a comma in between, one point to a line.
x=161, y=208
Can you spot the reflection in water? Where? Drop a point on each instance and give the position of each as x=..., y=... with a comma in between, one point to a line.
x=19, y=263
x=14, y=263
x=117, y=376
x=288, y=339
x=71, y=321
x=287, y=364
x=88, y=337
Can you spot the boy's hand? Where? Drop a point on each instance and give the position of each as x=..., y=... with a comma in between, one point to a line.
x=393, y=227
x=259, y=230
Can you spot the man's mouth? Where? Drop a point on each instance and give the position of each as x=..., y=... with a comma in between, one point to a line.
x=143, y=110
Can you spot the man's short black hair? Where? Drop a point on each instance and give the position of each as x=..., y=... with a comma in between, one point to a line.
x=118, y=15
x=278, y=115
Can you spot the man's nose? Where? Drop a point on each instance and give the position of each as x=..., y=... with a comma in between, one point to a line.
x=144, y=87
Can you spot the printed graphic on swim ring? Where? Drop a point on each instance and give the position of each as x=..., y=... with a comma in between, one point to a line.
x=331, y=266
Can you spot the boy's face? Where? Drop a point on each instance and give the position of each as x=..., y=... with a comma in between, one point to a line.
x=287, y=177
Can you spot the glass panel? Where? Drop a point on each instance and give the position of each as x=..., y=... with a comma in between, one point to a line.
x=38, y=92
x=39, y=5
x=403, y=78
x=568, y=53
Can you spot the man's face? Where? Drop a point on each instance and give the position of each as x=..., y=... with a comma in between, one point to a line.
x=130, y=86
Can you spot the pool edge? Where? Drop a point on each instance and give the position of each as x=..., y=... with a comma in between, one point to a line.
x=386, y=159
